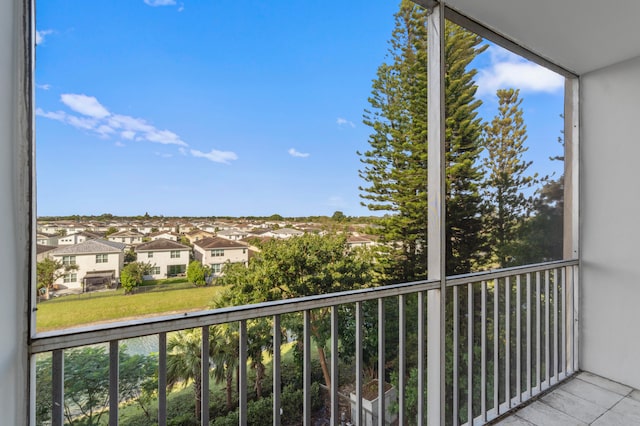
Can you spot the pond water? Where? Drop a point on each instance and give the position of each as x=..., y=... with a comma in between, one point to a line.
x=144, y=345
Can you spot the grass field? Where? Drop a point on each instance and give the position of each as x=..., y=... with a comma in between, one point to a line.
x=77, y=310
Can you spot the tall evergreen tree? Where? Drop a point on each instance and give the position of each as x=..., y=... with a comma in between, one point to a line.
x=395, y=166
x=506, y=178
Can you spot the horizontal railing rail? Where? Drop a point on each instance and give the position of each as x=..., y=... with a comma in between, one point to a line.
x=512, y=334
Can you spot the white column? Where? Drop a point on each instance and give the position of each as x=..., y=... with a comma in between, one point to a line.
x=436, y=227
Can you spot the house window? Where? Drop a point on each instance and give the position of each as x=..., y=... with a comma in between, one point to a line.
x=68, y=260
x=175, y=254
x=122, y=240
x=71, y=277
x=216, y=268
x=149, y=255
x=102, y=258
x=155, y=270
x=217, y=252
x=244, y=251
x=176, y=269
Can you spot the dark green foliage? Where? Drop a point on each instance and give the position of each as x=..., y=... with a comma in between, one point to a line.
x=197, y=274
x=506, y=179
x=395, y=166
x=131, y=275
x=86, y=383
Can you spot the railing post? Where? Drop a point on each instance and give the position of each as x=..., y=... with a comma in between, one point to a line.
x=436, y=216
x=113, y=382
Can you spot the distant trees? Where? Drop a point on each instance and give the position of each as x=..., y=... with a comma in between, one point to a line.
x=48, y=271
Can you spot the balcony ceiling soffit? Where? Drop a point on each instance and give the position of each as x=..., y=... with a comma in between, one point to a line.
x=579, y=35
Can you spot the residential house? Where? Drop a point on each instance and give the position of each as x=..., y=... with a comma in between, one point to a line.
x=167, y=257
x=216, y=251
x=359, y=241
x=232, y=234
x=98, y=264
x=43, y=251
x=77, y=238
x=283, y=233
x=47, y=239
x=130, y=238
x=197, y=235
x=167, y=235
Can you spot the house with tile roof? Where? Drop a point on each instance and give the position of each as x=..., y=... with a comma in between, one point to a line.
x=98, y=262
x=216, y=251
x=168, y=258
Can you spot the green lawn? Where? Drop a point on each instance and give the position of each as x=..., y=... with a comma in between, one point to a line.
x=78, y=310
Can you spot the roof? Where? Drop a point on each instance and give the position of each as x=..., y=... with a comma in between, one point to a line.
x=90, y=247
x=287, y=231
x=126, y=234
x=41, y=248
x=161, y=244
x=154, y=234
x=217, y=242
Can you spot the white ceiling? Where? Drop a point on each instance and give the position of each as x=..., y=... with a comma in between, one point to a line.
x=579, y=35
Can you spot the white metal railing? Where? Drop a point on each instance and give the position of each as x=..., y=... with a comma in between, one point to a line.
x=511, y=334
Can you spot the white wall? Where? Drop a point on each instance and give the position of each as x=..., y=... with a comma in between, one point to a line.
x=14, y=223
x=610, y=222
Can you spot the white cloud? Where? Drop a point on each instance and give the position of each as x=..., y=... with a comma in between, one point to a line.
x=40, y=36
x=508, y=70
x=215, y=155
x=181, y=7
x=43, y=86
x=182, y=151
x=292, y=152
x=119, y=144
x=344, y=122
x=53, y=115
x=164, y=154
x=128, y=134
x=85, y=105
x=155, y=3
x=97, y=119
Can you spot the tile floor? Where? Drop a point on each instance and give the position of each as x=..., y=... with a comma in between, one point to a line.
x=586, y=399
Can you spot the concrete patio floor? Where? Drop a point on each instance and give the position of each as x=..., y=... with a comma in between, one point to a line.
x=586, y=399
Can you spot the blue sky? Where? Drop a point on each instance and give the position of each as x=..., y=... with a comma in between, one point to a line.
x=223, y=108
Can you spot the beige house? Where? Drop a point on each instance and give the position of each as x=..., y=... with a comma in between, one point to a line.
x=216, y=251
x=168, y=258
x=130, y=238
x=197, y=235
x=98, y=264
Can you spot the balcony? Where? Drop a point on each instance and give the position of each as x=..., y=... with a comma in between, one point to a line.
x=510, y=335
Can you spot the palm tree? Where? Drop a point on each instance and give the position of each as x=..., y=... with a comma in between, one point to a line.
x=184, y=361
x=225, y=358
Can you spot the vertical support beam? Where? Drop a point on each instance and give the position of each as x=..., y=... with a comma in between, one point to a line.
x=359, y=362
x=162, y=379
x=335, y=418
x=572, y=206
x=436, y=216
x=381, y=363
x=402, y=354
x=242, y=380
x=204, y=376
x=113, y=382
x=306, y=355
x=422, y=338
x=277, y=377
x=57, y=387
